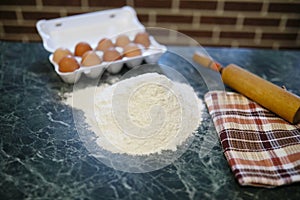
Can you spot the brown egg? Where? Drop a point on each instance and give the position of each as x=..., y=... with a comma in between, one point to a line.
x=81, y=48
x=122, y=40
x=90, y=58
x=132, y=50
x=68, y=64
x=142, y=38
x=60, y=53
x=104, y=44
x=111, y=54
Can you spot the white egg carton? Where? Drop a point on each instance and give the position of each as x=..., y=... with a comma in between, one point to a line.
x=91, y=28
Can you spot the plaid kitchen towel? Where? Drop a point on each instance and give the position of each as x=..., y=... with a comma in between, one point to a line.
x=261, y=148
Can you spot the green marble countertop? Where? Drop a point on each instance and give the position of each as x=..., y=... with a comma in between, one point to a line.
x=42, y=156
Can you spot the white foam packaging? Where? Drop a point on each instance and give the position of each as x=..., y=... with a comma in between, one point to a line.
x=91, y=28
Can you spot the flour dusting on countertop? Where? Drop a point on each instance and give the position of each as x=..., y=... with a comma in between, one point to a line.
x=145, y=114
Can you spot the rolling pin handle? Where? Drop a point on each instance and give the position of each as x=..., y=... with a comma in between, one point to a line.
x=274, y=98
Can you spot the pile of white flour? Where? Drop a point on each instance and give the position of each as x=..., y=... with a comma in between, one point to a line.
x=140, y=115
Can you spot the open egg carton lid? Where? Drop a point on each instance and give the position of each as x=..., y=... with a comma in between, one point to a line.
x=91, y=27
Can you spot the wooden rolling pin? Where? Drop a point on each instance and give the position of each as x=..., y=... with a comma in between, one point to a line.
x=265, y=93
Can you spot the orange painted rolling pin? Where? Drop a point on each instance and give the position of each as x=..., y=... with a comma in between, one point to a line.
x=265, y=93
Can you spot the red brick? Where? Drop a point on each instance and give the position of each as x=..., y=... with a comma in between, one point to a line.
x=194, y=33
x=243, y=6
x=105, y=3
x=279, y=36
x=62, y=3
x=174, y=19
x=255, y=46
x=40, y=15
x=74, y=13
x=143, y=18
x=293, y=23
x=17, y=2
x=19, y=29
x=153, y=4
x=261, y=22
x=218, y=20
x=284, y=7
x=244, y=35
x=201, y=5
x=287, y=47
x=19, y=37
x=8, y=15
x=216, y=45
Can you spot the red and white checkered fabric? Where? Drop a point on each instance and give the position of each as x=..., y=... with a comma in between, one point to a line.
x=261, y=148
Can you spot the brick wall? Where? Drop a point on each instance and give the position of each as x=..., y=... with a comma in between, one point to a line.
x=248, y=23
